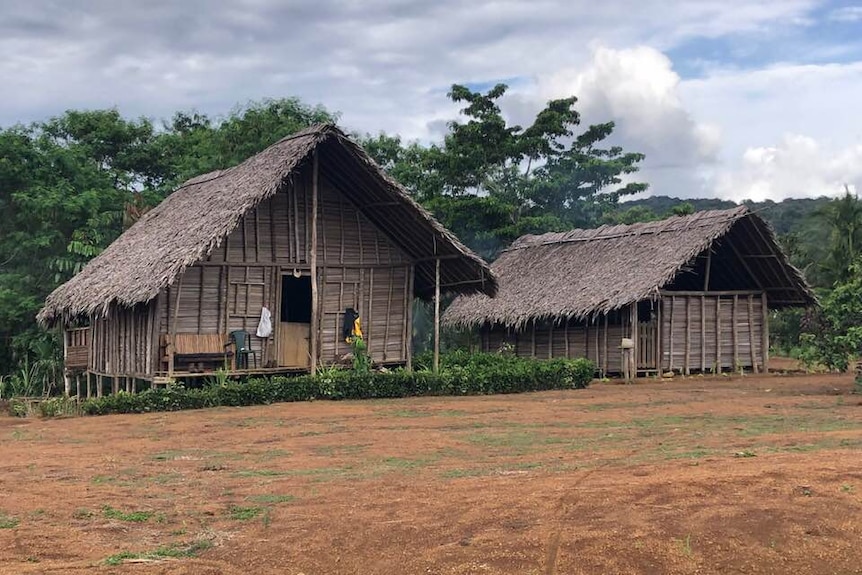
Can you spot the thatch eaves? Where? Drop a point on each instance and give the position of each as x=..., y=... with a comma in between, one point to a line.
x=190, y=223
x=585, y=273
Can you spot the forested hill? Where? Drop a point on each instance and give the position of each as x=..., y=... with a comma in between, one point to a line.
x=787, y=216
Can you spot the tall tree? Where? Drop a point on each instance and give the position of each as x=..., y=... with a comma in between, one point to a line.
x=490, y=181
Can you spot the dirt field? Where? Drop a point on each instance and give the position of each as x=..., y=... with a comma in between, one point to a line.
x=698, y=475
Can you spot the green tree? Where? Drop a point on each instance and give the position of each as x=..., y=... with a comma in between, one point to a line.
x=844, y=219
x=491, y=182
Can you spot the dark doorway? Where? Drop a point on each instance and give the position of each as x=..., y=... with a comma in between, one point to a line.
x=296, y=299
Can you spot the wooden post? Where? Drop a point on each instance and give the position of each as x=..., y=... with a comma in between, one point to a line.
x=735, y=320
x=751, y=334
x=173, y=339
x=708, y=269
x=409, y=341
x=687, y=366
x=605, y=342
x=659, y=343
x=717, y=335
x=67, y=382
x=765, y=344
x=315, y=320
x=436, y=365
x=670, y=334
x=533, y=340
x=702, y=334
x=634, y=331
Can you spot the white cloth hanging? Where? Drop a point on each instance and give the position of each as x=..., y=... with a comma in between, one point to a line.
x=264, y=328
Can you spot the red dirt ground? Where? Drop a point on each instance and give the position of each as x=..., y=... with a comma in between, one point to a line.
x=698, y=475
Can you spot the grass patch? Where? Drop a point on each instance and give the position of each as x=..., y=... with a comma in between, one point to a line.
x=8, y=521
x=170, y=552
x=270, y=498
x=260, y=473
x=462, y=473
x=238, y=513
x=130, y=516
x=333, y=450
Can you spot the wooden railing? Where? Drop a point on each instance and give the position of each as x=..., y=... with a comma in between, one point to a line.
x=647, y=345
x=77, y=348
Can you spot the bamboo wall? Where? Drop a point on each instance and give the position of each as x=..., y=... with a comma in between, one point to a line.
x=597, y=340
x=699, y=332
x=124, y=343
x=710, y=331
x=357, y=266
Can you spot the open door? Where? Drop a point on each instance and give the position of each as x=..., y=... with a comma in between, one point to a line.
x=295, y=323
x=647, y=334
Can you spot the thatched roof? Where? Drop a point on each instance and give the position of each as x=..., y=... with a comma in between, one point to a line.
x=583, y=273
x=200, y=214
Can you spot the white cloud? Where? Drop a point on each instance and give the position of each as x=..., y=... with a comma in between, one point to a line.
x=796, y=167
x=846, y=14
x=638, y=89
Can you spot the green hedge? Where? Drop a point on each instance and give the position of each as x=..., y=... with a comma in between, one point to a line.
x=460, y=374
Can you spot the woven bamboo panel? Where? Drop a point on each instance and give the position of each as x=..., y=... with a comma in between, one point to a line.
x=712, y=332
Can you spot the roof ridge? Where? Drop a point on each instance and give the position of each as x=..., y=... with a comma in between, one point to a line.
x=615, y=231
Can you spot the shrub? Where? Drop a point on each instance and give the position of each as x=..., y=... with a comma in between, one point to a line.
x=461, y=373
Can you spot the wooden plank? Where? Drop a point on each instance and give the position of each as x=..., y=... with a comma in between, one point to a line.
x=409, y=312
x=708, y=269
x=754, y=366
x=200, y=299
x=670, y=334
x=533, y=340
x=735, y=337
x=717, y=335
x=711, y=293
x=296, y=222
x=659, y=336
x=702, y=333
x=368, y=336
x=388, y=316
x=341, y=228
x=605, y=347
x=634, y=355
x=315, y=304
x=765, y=334
x=687, y=365
x=174, y=325
x=436, y=363
x=566, y=339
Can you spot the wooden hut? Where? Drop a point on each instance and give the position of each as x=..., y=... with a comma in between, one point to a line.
x=688, y=293
x=307, y=229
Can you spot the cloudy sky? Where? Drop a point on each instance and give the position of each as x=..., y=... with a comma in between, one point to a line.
x=729, y=98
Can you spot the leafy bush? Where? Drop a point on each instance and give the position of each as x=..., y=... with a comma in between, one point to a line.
x=460, y=374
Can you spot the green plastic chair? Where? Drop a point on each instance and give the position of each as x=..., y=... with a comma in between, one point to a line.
x=241, y=341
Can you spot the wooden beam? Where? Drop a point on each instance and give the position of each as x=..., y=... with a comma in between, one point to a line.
x=687, y=365
x=717, y=335
x=702, y=334
x=436, y=364
x=634, y=331
x=751, y=334
x=67, y=382
x=605, y=344
x=315, y=304
x=172, y=342
x=765, y=344
x=710, y=293
x=744, y=263
x=409, y=311
x=735, y=319
x=708, y=269
x=670, y=334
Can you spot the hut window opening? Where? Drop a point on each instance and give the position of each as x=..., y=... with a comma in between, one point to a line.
x=296, y=299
